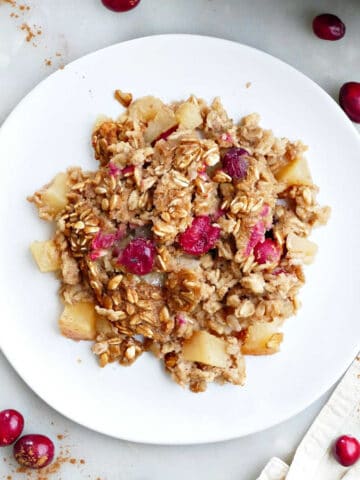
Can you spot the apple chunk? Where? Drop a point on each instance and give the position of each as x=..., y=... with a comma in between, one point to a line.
x=163, y=121
x=46, y=255
x=145, y=108
x=78, y=321
x=300, y=246
x=55, y=194
x=188, y=115
x=205, y=348
x=295, y=173
x=103, y=326
x=262, y=339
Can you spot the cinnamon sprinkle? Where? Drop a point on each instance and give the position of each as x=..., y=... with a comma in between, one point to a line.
x=31, y=33
x=49, y=472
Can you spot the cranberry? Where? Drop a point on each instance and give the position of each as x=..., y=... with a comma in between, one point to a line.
x=328, y=27
x=200, y=237
x=346, y=450
x=34, y=451
x=139, y=256
x=257, y=235
x=11, y=426
x=349, y=98
x=235, y=164
x=103, y=240
x=120, y=5
x=267, y=251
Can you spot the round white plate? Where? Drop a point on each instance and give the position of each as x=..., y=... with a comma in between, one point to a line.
x=50, y=130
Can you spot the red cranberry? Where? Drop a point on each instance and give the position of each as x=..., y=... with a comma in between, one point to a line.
x=235, y=164
x=139, y=256
x=11, y=426
x=328, y=27
x=34, y=451
x=200, y=237
x=349, y=98
x=103, y=240
x=267, y=251
x=346, y=450
x=120, y=5
x=257, y=235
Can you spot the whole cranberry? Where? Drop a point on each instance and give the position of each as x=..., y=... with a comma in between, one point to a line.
x=349, y=98
x=11, y=426
x=34, y=451
x=346, y=450
x=235, y=163
x=328, y=27
x=138, y=256
x=200, y=237
x=120, y=5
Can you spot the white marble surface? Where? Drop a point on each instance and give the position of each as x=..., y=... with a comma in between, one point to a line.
x=73, y=28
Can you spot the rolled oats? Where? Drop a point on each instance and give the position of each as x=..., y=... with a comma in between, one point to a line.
x=155, y=191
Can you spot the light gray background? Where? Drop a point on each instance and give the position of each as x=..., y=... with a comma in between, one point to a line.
x=76, y=27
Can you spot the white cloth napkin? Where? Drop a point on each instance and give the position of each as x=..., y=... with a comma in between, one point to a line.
x=313, y=459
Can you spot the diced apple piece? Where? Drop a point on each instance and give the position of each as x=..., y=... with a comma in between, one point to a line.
x=262, y=339
x=188, y=115
x=78, y=321
x=55, y=194
x=295, y=173
x=46, y=255
x=205, y=348
x=302, y=247
x=164, y=120
x=145, y=108
x=103, y=326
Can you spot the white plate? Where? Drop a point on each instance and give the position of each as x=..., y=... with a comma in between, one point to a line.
x=50, y=130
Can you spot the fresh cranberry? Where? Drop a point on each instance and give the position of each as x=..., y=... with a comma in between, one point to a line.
x=11, y=426
x=120, y=5
x=139, y=256
x=267, y=251
x=328, y=27
x=346, y=450
x=34, y=451
x=200, y=237
x=235, y=163
x=349, y=98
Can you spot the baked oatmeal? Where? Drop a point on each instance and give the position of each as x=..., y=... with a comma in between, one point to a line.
x=188, y=241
